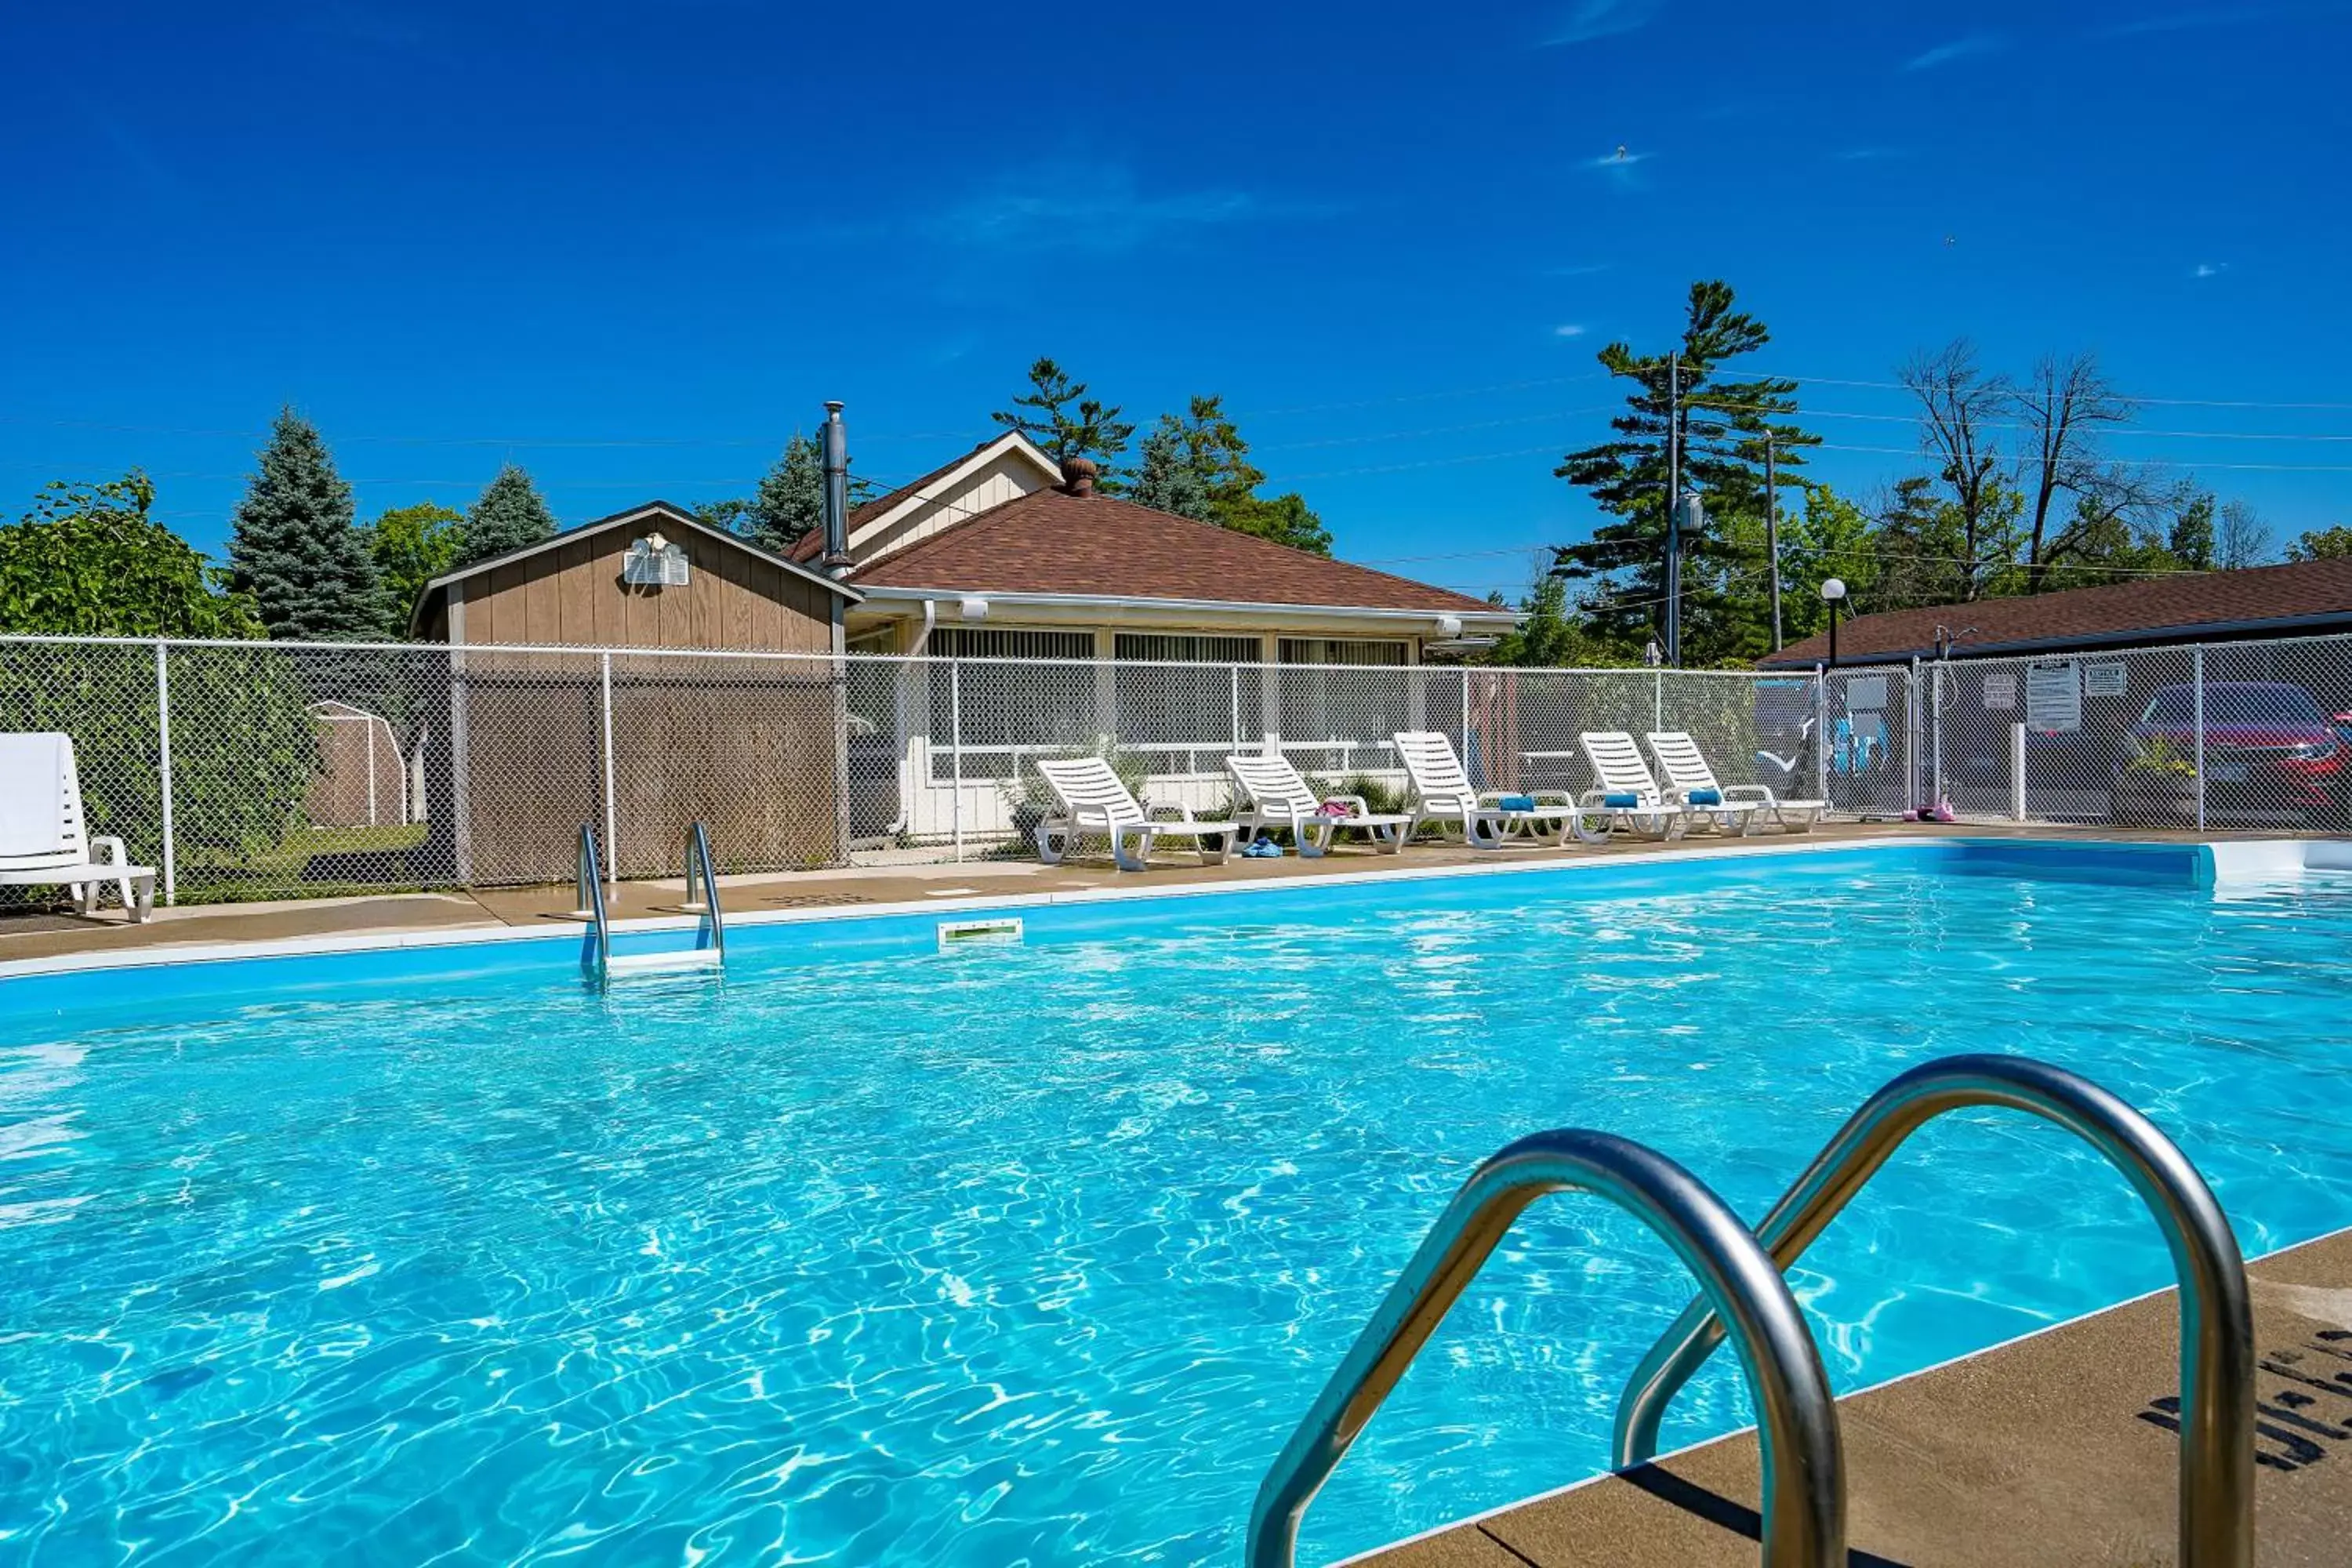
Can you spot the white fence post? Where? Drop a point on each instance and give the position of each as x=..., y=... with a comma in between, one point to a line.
x=2017, y=773
x=1820, y=733
x=612, y=816
x=1234, y=682
x=955, y=749
x=1481, y=768
x=164, y=770
x=2196, y=665
x=1913, y=738
x=1658, y=701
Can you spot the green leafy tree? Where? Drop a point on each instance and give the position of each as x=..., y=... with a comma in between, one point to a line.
x=507, y=515
x=1221, y=484
x=411, y=545
x=1546, y=637
x=1168, y=482
x=88, y=560
x=1723, y=427
x=2191, y=540
x=2332, y=543
x=292, y=548
x=1056, y=414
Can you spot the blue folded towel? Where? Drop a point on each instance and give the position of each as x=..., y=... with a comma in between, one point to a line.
x=1623, y=800
x=1263, y=850
x=1706, y=797
x=1516, y=803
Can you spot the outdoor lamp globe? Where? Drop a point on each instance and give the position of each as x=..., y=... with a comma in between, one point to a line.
x=1833, y=589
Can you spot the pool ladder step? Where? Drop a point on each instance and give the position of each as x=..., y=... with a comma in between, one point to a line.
x=1743, y=1297
x=709, y=953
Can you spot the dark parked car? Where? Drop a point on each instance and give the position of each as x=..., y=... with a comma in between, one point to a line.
x=2271, y=751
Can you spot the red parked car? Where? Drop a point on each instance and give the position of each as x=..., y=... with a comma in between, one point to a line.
x=2271, y=751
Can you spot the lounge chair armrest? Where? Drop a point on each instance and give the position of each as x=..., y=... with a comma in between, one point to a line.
x=1747, y=792
x=115, y=853
x=1175, y=814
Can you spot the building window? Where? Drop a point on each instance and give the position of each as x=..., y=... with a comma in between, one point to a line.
x=1039, y=701
x=1190, y=702
x=1156, y=647
x=1350, y=713
x=1342, y=650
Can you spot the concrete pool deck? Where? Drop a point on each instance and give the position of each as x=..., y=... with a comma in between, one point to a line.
x=32, y=935
x=2039, y=1452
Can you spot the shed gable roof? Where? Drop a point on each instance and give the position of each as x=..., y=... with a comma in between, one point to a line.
x=669, y=515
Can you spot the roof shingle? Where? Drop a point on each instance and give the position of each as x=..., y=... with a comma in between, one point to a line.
x=2308, y=594
x=1050, y=542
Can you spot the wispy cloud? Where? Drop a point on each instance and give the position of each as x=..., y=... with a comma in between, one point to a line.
x=1095, y=208
x=1974, y=47
x=2209, y=269
x=1567, y=329
x=1589, y=19
x=1621, y=168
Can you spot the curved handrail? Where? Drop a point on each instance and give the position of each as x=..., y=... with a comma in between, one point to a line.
x=596, y=956
x=1804, y=1484
x=2217, y=1342
x=699, y=866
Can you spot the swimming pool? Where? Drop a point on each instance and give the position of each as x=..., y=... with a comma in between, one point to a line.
x=1035, y=1254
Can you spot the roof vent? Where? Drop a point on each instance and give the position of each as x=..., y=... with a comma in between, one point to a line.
x=1078, y=476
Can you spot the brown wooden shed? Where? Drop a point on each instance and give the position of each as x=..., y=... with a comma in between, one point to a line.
x=590, y=658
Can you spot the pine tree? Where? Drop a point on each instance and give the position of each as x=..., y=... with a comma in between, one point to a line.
x=1209, y=447
x=1168, y=482
x=1056, y=414
x=508, y=516
x=1724, y=425
x=292, y=549
x=789, y=503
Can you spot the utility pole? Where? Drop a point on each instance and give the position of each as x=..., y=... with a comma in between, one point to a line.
x=1674, y=510
x=1773, y=538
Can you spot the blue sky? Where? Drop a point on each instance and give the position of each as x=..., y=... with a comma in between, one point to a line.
x=632, y=247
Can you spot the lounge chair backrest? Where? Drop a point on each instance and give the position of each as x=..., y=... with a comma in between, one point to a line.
x=40, y=803
x=1617, y=764
x=1435, y=772
x=1685, y=765
x=1272, y=782
x=1088, y=786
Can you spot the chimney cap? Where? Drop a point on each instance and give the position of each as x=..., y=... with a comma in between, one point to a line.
x=1078, y=476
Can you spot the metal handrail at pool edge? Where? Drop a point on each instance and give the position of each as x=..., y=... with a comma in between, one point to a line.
x=596, y=953
x=1804, y=1466
x=2217, y=1347
x=698, y=865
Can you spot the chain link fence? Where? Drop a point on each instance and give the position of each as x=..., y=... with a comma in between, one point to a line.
x=2236, y=735
x=276, y=770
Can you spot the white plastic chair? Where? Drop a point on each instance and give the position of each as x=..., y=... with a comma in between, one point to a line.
x=1278, y=797
x=1688, y=774
x=1441, y=793
x=42, y=843
x=1094, y=801
x=1640, y=806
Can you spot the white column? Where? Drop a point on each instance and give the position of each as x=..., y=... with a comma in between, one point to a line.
x=2017, y=773
x=2196, y=664
x=955, y=748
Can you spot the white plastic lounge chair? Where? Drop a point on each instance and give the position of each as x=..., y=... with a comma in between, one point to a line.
x=1689, y=777
x=1094, y=801
x=1278, y=797
x=1441, y=793
x=1623, y=785
x=41, y=840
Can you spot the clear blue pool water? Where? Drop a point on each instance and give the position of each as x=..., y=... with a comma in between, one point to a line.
x=1034, y=1254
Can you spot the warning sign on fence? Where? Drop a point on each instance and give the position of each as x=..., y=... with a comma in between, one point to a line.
x=2105, y=679
x=2001, y=689
x=2053, y=697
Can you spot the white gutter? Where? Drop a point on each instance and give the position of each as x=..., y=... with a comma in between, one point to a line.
x=876, y=595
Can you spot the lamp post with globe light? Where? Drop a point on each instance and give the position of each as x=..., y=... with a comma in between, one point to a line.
x=1834, y=595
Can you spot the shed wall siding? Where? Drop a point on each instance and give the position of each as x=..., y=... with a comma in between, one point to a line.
x=574, y=594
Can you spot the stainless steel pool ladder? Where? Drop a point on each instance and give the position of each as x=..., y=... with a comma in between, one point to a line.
x=710, y=950
x=1804, y=1485
x=2217, y=1337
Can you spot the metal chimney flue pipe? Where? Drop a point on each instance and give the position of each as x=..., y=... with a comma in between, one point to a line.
x=836, y=492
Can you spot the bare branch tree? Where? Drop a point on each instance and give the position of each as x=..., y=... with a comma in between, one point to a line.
x=2242, y=538
x=2065, y=406
x=1960, y=413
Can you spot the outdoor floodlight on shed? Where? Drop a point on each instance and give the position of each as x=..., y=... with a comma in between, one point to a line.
x=654, y=561
x=973, y=609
